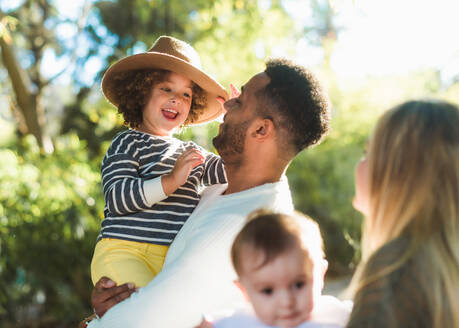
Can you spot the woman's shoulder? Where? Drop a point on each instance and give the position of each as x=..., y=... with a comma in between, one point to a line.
x=394, y=290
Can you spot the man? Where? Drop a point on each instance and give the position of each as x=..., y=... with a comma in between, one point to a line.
x=279, y=112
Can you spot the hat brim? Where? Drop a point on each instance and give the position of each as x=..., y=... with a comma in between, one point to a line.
x=156, y=60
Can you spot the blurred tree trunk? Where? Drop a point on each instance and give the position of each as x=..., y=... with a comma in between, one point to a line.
x=323, y=29
x=27, y=107
x=168, y=19
x=28, y=102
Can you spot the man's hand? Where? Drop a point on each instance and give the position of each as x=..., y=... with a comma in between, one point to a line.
x=185, y=163
x=106, y=294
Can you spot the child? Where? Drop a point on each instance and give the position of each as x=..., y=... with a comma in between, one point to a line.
x=151, y=181
x=280, y=264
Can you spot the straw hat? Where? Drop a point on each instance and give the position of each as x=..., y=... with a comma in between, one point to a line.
x=177, y=56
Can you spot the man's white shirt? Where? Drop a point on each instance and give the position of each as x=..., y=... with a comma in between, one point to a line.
x=197, y=276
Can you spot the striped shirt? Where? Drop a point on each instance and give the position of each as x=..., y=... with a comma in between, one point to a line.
x=135, y=157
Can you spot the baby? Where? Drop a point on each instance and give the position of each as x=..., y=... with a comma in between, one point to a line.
x=280, y=265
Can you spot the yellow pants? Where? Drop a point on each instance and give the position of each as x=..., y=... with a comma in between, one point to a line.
x=127, y=261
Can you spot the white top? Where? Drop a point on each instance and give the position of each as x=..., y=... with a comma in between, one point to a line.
x=329, y=312
x=198, y=277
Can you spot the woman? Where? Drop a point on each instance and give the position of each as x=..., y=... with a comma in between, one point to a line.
x=408, y=190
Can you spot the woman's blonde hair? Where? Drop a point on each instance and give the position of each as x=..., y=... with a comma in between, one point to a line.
x=413, y=165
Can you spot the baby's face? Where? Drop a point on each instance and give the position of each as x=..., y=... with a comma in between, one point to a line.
x=281, y=291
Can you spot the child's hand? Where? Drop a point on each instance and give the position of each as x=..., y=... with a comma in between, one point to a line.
x=183, y=166
x=234, y=93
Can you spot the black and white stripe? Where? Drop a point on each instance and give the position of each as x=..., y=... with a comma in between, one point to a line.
x=133, y=158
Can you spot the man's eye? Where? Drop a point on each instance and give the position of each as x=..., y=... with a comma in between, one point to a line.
x=267, y=291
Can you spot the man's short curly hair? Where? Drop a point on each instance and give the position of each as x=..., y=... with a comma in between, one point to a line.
x=295, y=102
x=133, y=90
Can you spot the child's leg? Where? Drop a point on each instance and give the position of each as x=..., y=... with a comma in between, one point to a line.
x=127, y=261
x=155, y=256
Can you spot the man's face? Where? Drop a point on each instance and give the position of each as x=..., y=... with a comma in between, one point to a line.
x=241, y=111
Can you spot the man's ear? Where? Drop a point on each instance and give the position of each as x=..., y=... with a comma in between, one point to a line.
x=242, y=289
x=263, y=128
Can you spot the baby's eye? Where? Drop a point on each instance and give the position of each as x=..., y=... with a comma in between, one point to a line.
x=299, y=284
x=267, y=291
x=166, y=89
x=187, y=95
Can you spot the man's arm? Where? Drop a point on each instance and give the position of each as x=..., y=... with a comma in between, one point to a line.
x=197, y=281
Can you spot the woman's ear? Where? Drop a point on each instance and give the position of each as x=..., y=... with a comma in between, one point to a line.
x=242, y=289
x=263, y=128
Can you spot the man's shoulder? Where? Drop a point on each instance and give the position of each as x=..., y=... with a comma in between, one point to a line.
x=214, y=190
x=274, y=196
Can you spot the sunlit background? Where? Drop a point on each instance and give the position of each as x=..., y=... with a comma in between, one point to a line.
x=55, y=124
x=375, y=37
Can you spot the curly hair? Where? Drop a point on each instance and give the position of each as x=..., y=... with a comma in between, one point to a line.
x=295, y=102
x=133, y=90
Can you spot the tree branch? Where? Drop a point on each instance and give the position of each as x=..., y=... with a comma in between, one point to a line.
x=80, y=24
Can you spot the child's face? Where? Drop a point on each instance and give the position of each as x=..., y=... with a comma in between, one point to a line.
x=169, y=105
x=281, y=291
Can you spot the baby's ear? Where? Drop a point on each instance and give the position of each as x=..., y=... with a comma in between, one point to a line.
x=324, y=264
x=242, y=289
x=320, y=274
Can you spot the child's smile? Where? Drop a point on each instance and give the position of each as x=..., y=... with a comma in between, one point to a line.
x=169, y=113
x=168, y=106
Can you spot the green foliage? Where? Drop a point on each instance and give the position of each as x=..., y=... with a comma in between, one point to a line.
x=50, y=207
x=94, y=122
x=322, y=183
x=234, y=37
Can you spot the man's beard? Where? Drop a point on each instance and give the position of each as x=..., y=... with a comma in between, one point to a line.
x=230, y=141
